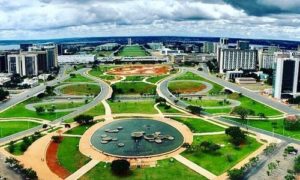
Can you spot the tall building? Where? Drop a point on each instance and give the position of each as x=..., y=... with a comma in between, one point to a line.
x=129, y=42
x=243, y=45
x=208, y=47
x=287, y=75
x=47, y=56
x=266, y=57
x=24, y=64
x=3, y=62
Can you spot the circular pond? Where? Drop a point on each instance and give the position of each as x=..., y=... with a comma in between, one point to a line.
x=137, y=137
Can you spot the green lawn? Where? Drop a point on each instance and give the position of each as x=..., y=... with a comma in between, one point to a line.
x=69, y=156
x=267, y=125
x=144, y=107
x=107, y=77
x=206, y=102
x=19, y=110
x=102, y=53
x=78, y=78
x=254, y=105
x=79, y=130
x=63, y=105
x=199, y=125
x=99, y=70
x=81, y=89
x=134, y=78
x=170, y=110
x=218, y=163
x=9, y=128
x=191, y=76
x=96, y=111
x=185, y=86
x=165, y=169
x=132, y=51
x=134, y=88
x=155, y=79
x=218, y=111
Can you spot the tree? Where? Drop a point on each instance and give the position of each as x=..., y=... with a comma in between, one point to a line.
x=205, y=145
x=195, y=109
x=3, y=94
x=297, y=164
x=160, y=100
x=56, y=139
x=261, y=115
x=11, y=147
x=49, y=90
x=120, y=167
x=237, y=135
x=236, y=174
x=83, y=119
x=39, y=110
x=241, y=111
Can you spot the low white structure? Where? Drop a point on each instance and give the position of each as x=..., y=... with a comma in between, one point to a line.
x=31, y=82
x=230, y=75
x=76, y=59
x=245, y=80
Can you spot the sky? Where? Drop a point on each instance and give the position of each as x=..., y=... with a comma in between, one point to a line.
x=45, y=19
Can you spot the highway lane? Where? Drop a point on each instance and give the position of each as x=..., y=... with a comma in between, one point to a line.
x=265, y=100
x=106, y=92
x=33, y=91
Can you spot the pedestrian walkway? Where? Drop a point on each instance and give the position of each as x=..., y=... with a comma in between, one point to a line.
x=195, y=167
x=83, y=170
x=208, y=133
x=71, y=135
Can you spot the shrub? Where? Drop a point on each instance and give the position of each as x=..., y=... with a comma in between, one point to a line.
x=83, y=119
x=120, y=167
x=236, y=174
x=237, y=135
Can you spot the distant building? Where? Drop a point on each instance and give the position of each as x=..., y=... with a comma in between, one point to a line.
x=107, y=47
x=208, y=47
x=76, y=59
x=47, y=56
x=3, y=62
x=243, y=45
x=129, y=42
x=155, y=46
x=266, y=57
x=25, y=47
x=287, y=75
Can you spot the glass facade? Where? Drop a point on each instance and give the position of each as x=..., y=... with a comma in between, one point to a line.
x=288, y=76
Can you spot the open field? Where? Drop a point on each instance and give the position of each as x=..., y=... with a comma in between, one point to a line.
x=165, y=169
x=100, y=70
x=69, y=156
x=81, y=89
x=207, y=102
x=268, y=126
x=144, y=107
x=62, y=105
x=199, y=125
x=96, y=111
x=134, y=88
x=9, y=128
x=19, y=110
x=191, y=76
x=209, y=160
x=187, y=87
x=132, y=51
x=155, y=79
x=140, y=70
x=78, y=78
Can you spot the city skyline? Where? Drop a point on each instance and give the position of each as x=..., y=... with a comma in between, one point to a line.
x=46, y=19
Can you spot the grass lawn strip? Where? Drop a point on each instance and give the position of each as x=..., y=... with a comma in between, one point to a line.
x=168, y=109
x=69, y=156
x=134, y=88
x=141, y=107
x=78, y=78
x=209, y=160
x=13, y=127
x=96, y=111
x=165, y=169
x=132, y=51
x=155, y=79
x=81, y=89
x=199, y=125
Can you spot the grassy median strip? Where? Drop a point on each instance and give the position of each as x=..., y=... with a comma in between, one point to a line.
x=140, y=107
x=8, y=128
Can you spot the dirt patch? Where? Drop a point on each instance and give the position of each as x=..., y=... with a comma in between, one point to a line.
x=52, y=161
x=140, y=70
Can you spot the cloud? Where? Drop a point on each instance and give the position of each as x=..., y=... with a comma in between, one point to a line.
x=25, y=19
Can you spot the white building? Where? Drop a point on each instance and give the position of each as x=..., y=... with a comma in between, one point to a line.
x=287, y=77
x=76, y=59
x=107, y=46
x=24, y=64
x=266, y=57
x=232, y=59
x=155, y=46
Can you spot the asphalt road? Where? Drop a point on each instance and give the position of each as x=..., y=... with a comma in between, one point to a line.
x=265, y=100
x=33, y=91
x=105, y=93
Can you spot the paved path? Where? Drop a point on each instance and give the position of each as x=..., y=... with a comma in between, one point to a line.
x=71, y=135
x=195, y=167
x=84, y=169
x=208, y=133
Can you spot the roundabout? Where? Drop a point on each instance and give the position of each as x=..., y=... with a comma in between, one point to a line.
x=136, y=137
x=131, y=138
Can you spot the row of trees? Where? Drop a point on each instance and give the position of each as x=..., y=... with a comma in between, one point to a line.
x=26, y=142
x=15, y=165
x=239, y=173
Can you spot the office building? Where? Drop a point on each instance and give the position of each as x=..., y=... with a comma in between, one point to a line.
x=208, y=47
x=47, y=56
x=107, y=47
x=24, y=64
x=266, y=57
x=3, y=62
x=287, y=75
x=155, y=46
